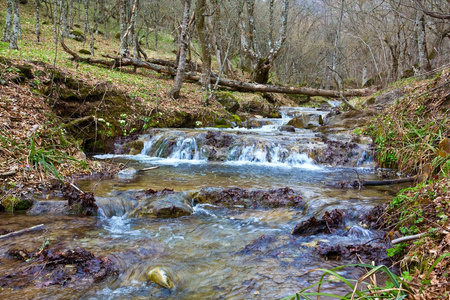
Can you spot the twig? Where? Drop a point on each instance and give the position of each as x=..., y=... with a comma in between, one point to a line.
x=9, y=173
x=408, y=238
x=147, y=169
x=77, y=188
x=37, y=227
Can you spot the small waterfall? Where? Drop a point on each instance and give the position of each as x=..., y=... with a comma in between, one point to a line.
x=174, y=148
x=186, y=148
x=271, y=154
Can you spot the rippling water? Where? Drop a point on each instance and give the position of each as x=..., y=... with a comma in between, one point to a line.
x=215, y=253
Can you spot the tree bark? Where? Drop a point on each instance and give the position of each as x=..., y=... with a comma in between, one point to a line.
x=38, y=30
x=123, y=28
x=174, y=92
x=16, y=31
x=205, y=43
x=8, y=21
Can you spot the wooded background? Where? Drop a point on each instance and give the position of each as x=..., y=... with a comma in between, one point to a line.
x=330, y=44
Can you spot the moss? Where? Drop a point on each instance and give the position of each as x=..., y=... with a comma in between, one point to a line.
x=13, y=203
x=84, y=51
x=221, y=121
x=236, y=118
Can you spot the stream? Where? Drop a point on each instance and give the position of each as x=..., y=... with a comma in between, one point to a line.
x=215, y=252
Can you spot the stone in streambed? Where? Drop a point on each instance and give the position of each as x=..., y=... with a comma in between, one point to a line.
x=161, y=277
x=287, y=128
x=238, y=197
x=167, y=206
x=127, y=174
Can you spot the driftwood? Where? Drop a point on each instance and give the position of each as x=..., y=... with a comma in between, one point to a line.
x=148, y=169
x=357, y=184
x=241, y=86
x=408, y=238
x=389, y=181
x=15, y=233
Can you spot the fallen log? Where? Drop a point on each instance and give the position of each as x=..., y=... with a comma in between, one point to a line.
x=360, y=183
x=15, y=233
x=389, y=181
x=241, y=86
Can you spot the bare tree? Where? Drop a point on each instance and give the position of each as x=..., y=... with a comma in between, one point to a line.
x=205, y=43
x=261, y=64
x=174, y=92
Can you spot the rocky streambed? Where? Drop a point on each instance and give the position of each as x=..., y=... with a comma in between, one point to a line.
x=228, y=214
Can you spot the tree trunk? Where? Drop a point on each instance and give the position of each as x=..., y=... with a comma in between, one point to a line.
x=174, y=92
x=8, y=21
x=261, y=71
x=38, y=30
x=16, y=32
x=133, y=28
x=65, y=16
x=157, y=19
x=204, y=41
x=55, y=23
x=123, y=28
x=424, y=63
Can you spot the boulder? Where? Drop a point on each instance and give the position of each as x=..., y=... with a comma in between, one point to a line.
x=298, y=122
x=287, y=128
x=77, y=35
x=228, y=101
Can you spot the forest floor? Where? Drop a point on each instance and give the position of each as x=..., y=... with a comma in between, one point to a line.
x=42, y=92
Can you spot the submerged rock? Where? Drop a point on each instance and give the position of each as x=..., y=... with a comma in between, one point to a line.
x=287, y=128
x=306, y=121
x=127, y=174
x=172, y=205
x=330, y=223
x=161, y=277
x=49, y=208
x=45, y=266
x=238, y=197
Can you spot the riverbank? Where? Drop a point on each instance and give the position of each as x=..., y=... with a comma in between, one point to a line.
x=413, y=136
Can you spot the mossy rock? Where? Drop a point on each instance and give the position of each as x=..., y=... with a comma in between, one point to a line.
x=228, y=100
x=222, y=123
x=77, y=35
x=25, y=71
x=84, y=51
x=236, y=119
x=13, y=203
x=133, y=147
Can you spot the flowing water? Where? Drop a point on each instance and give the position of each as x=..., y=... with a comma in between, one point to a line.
x=216, y=252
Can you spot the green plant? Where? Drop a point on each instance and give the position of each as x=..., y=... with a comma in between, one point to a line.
x=45, y=159
x=397, y=250
x=394, y=288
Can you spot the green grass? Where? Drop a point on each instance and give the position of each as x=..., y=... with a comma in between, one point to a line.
x=394, y=287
